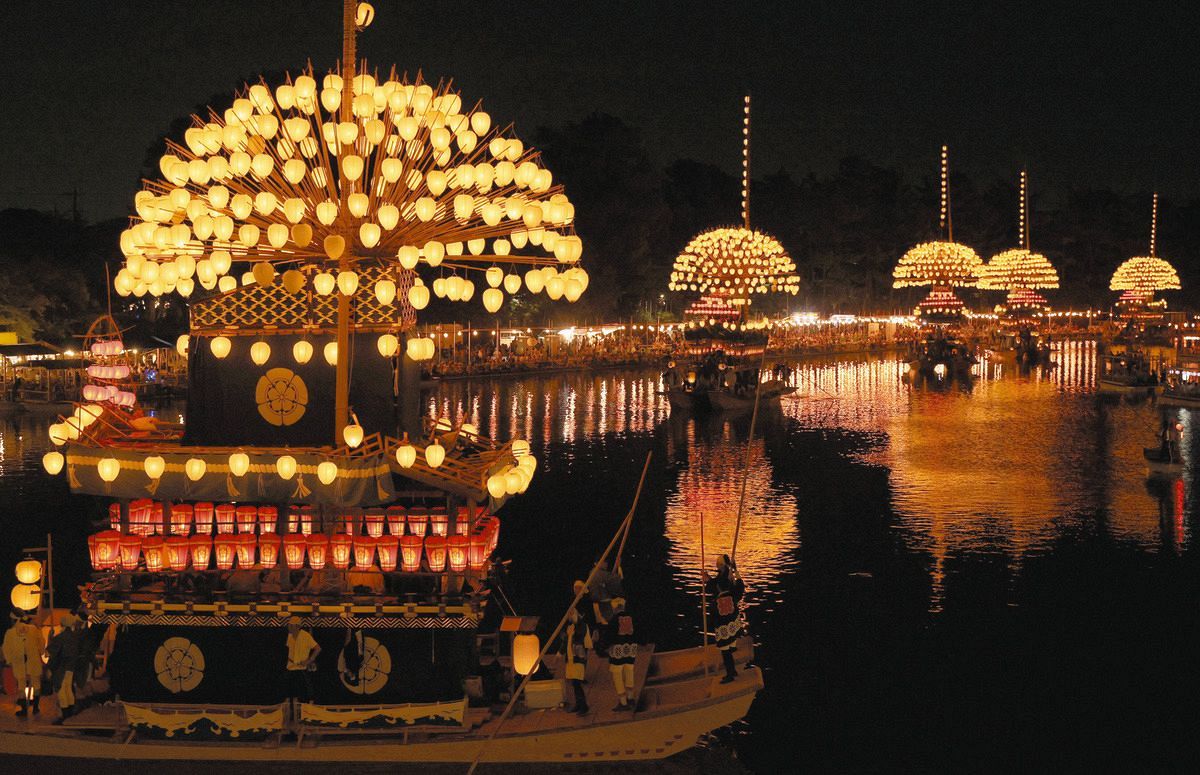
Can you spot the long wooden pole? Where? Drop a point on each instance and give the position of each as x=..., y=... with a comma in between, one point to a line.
x=341, y=393
x=624, y=527
x=737, y=528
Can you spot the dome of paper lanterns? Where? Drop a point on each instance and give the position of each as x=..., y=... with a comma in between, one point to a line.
x=938, y=264
x=1144, y=275
x=381, y=170
x=735, y=264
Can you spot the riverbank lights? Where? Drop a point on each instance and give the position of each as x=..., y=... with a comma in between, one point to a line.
x=195, y=468
x=327, y=472
x=25, y=597
x=29, y=571
x=435, y=453
x=108, y=468
x=285, y=466
x=526, y=649
x=352, y=434
x=406, y=454
x=220, y=346
x=239, y=464
x=154, y=466
x=53, y=462
x=260, y=353
x=302, y=351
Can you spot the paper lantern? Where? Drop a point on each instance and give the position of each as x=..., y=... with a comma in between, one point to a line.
x=526, y=648
x=246, y=516
x=260, y=353
x=410, y=553
x=268, y=551
x=418, y=522
x=239, y=464
x=108, y=545
x=496, y=485
x=387, y=344
x=438, y=523
x=285, y=466
x=385, y=292
x=513, y=481
x=109, y=468
x=493, y=299
x=352, y=434
x=53, y=462
x=226, y=519
x=324, y=283
x=331, y=353
x=194, y=468
x=373, y=519
x=181, y=519
x=155, y=521
x=457, y=546
x=435, y=454
x=154, y=466
x=220, y=346
x=114, y=515
x=201, y=551
x=388, y=549
x=327, y=471
x=153, y=553
x=225, y=550
x=477, y=551
x=25, y=597
x=176, y=552
x=347, y=282
x=406, y=455
x=520, y=448
x=364, y=551
x=268, y=518
x=29, y=571
x=339, y=550
x=245, y=544
x=435, y=552
x=293, y=550
x=395, y=520
x=202, y=517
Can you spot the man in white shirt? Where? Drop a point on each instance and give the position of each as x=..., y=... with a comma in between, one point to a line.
x=302, y=651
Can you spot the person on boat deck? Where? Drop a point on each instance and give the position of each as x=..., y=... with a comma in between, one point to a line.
x=66, y=650
x=725, y=591
x=620, y=644
x=22, y=650
x=575, y=657
x=606, y=587
x=302, y=651
x=585, y=618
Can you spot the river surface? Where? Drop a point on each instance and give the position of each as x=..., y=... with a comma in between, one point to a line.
x=939, y=576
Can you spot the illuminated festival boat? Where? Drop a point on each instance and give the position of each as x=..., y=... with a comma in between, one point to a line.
x=306, y=486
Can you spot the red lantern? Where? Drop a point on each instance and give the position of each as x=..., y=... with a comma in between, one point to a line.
x=139, y=517
x=268, y=550
x=92, y=551
x=114, y=516
x=181, y=519
x=395, y=520
x=306, y=520
x=131, y=551
x=246, y=517
x=462, y=524
x=418, y=521
x=339, y=550
x=268, y=516
x=437, y=523
x=153, y=552
x=388, y=548
x=225, y=518
x=202, y=516
x=318, y=548
x=156, y=519
x=293, y=550
x=477, y=551
x=374, y=521
x=223, y=547
x=177, y=552
x=457, y=547
x=244, y=542
x=410, y=553
x=435, y=553
x=364, y=550
x=107, y=550
x=346, y=522
x=201, y=546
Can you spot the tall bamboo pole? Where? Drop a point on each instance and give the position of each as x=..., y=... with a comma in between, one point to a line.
x=341, y=393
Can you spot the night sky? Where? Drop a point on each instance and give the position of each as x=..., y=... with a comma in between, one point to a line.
x=1086, y=95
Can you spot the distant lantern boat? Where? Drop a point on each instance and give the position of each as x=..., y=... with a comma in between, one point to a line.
x=1140, y=277
x=1020, y=271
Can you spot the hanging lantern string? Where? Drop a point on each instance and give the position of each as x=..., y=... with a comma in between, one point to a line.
x=1153, y=223
x=1023, y=223
x=746, y=162
x=945, y=222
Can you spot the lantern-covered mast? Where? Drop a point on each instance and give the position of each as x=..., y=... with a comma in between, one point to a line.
x=1141, y=277
x=1020, y=271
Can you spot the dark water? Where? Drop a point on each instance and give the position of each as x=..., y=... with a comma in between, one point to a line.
x=968, y=578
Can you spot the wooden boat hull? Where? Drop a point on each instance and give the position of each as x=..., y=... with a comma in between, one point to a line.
x=725, y=401
x=1125, y=389
x=1155, y=464
x=646, y=735
x=687, y=400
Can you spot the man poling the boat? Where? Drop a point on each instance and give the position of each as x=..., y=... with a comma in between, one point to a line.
x=575, y=657
x=67, y=651
x=302, y=652
x=620, y=643
x=725, y=591
x=23, y=652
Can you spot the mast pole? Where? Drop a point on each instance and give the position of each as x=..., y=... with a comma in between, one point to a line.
x=1023, y=222
x=341, y=406
x=746, y=162
x=1153, y=224
x=946, y=223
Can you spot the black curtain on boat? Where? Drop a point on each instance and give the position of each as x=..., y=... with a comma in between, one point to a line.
x=232, y=401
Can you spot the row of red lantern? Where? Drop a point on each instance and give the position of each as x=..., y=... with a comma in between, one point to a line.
x=146, y=518
x=110, y=550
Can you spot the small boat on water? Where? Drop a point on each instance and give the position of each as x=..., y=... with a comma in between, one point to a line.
x=731, y=401
x=1128, y=374
x=1162, y=462
x=941, y=357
